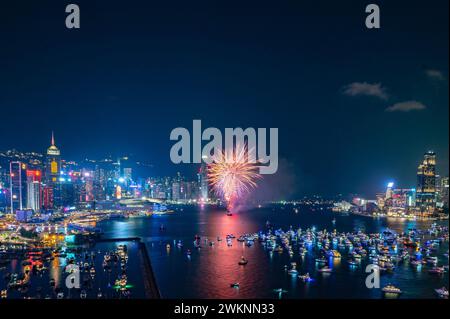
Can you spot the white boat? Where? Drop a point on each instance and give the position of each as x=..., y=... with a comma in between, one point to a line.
x=293, y=271
x=325, y=270
x=391, y=289
x=305, y=277
x=442, y=292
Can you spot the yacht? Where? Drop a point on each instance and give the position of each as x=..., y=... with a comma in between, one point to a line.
x=391, y=289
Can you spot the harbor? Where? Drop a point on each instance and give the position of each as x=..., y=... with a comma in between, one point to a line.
x=274, y=252
x=116, y=268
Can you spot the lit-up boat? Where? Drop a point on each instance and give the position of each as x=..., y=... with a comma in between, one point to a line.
x=293, y=271
x=305, y=277
x=436, y=270
x=391, y=289
x=325, y=269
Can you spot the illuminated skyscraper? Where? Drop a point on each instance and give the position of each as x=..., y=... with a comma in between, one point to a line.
x=444, y=192
x=18, y=182
x=389, y=191
x=203, y=182
x=53, y=170
x=426, y=184
x=34, y=189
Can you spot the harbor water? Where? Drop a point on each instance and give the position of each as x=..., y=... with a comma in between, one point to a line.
x=209, y=271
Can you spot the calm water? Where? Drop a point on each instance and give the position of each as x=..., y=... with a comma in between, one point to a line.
x=103, y=280
x=209, y=272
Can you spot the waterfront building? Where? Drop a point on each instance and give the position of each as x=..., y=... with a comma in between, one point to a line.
x=18, y=182
x=389, y=191
x=443, y=193
x=426, y=185
x=24, y=216
x=381, y=200
x=34, y=193
x=175, y=191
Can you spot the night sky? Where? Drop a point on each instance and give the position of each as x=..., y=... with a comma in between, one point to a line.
x=355, y=107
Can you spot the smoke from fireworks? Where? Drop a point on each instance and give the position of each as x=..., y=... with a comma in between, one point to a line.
x=233, y=174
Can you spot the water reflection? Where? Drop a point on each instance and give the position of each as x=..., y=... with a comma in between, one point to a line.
x=210, y=271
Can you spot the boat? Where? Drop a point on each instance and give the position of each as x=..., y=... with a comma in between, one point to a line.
x=60, y=295
x=83, y=294
x=442, y=292
x=235, y=285
x=293, y=271
x=391, y=289
x=321, y=260
x=99, y=294
x=4, y=294
x=243, y=262
x=334, y=254
x=436, y=270
x=305, y=277
x=325, y=269
x=352, y=263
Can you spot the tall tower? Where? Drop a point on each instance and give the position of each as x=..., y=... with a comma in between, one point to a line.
x=203, y=183
x=426, y=184
x=34, y=189
x=52, y=171
x=18, y=182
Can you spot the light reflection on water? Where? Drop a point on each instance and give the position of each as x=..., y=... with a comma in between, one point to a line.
x=210, y=270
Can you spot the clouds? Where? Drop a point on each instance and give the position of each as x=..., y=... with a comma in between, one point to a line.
x=367, y=89
x=435, y=74
x=406, y=106
x=377, y=90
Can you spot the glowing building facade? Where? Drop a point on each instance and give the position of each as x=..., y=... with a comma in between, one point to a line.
x=53, y=171
x=426, y=184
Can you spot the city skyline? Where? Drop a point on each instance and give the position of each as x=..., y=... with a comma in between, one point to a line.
x=360, y=116
x=190, y=175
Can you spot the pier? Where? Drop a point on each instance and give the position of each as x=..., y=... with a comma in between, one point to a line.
x=151, y=287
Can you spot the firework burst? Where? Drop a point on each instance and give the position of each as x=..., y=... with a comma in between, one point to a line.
x=233, y=174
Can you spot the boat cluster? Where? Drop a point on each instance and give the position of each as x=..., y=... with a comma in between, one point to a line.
x=35, y=262
x=387, y=250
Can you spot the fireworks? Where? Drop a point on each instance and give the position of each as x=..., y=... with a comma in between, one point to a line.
x=233, y=175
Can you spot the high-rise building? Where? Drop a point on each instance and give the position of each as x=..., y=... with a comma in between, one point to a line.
x=389, y=191
x=203, y=182
x=175, y=191
x=18, y=182
x=47, y=198
x=128, y=174
x=53, y=171
x=34, y=189
x=444, y=192
x=426, y=184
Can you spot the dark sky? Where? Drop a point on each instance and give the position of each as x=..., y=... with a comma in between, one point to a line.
x=137, y=69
